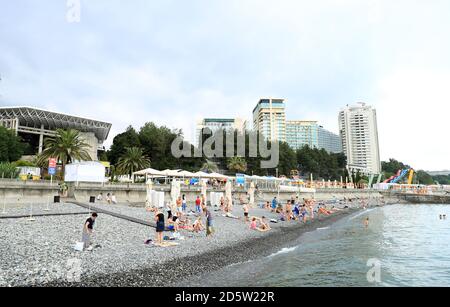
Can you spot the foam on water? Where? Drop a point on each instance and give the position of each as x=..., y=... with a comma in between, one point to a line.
x=284, y=251
x=362, y=213
x=323, y=228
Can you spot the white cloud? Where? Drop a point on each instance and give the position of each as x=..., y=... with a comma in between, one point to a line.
x=414, y=113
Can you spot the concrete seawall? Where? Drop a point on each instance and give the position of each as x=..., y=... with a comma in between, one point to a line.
x=422, y=199
x=25, y=192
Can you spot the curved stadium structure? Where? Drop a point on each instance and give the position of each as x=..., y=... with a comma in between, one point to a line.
x=34, y=125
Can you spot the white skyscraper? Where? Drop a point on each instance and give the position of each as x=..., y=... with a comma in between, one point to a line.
x=359, y=133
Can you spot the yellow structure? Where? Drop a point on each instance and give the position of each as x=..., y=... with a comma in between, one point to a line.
x=411, y=176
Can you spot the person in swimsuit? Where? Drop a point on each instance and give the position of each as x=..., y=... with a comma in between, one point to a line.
x=245, y=207
x=254, y=224
x=198, y=225
x=160, y=227
x=288, y=210
x=184, y=204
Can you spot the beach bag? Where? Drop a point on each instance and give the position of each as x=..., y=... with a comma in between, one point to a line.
x=79, y=246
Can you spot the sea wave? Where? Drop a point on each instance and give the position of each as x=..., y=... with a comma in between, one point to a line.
x=362, y=213
x=284, y=251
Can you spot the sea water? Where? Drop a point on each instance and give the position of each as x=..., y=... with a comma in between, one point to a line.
x=404, y=245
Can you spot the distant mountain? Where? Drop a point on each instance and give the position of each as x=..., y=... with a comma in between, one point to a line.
x=439, y=173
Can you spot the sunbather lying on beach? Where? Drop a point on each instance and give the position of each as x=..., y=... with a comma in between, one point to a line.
x=324, y=211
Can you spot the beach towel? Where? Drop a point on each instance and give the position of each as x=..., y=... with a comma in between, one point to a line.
x=165, y=244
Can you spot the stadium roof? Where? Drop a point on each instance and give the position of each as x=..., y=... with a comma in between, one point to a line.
x=34, y=117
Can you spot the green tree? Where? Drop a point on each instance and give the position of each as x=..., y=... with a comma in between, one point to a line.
x=121, y=142
x=288, y=160
x=8, y=170
x=209, y=167
x=67, y=146
x=442, y=179
x=133, y=160
x=237, y=165
x=391, y=167
x=424, y=178
x=11, y=148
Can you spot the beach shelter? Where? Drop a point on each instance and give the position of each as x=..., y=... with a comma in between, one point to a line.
x=218, y=176
x=202, y=175
x=251, y=193
x=204, y=190
x=170, y=173
x=228, y=195
x=175, y=193
x=149, y=198
x=185, y=174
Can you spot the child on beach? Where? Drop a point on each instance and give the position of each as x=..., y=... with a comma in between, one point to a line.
x=88, y=230
x=245, y=208
x=209, y=222
x=198, y=225
x=263, y=225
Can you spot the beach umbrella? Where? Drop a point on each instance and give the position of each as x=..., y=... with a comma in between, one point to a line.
x=149, y=200
x=228, y=195
x=175, y=192
x=251, y=193
x=204, y=190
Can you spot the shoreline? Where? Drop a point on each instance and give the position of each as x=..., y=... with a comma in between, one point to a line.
x=179, y=271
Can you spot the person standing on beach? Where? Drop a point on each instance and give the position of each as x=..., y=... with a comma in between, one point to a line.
x=184, y=204
x=209, y=222
x=198, y=203
x=160, y=227
x=311, y=204
x=179, y=206
x=288, y=210
x=274, y=204
x=304, y=213
x=88, y=230
x=245, y=208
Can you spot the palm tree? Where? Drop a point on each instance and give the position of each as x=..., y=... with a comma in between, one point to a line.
x=132, y=160
x=237, y=164
x=209, y=167
x=67, y=146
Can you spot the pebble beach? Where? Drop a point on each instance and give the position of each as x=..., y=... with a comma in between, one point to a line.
x=41, y=253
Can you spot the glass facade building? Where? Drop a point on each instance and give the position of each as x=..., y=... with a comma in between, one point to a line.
x=300, y=133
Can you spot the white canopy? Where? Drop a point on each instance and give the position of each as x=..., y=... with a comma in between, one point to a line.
x=186, y=174
x=202, y=175
x=218, y=176
x=170, y=173
x=149, y=172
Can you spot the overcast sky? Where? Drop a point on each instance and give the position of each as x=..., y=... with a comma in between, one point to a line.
x=175, y=61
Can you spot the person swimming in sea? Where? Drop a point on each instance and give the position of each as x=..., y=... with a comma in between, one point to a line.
x=366, y=222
